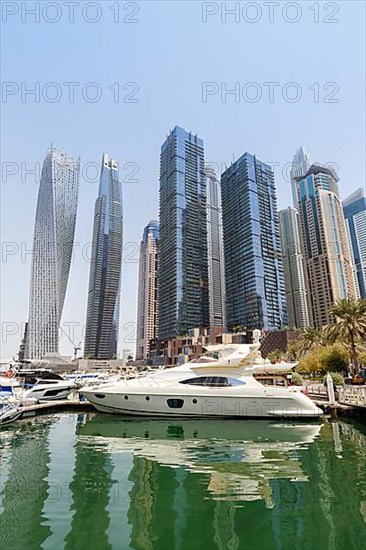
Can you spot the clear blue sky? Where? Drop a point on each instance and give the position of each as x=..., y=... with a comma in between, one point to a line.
x=169, y=52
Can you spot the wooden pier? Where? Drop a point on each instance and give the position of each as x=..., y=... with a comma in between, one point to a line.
x=32, y=409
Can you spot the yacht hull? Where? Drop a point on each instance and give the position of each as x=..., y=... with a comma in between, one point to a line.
x=169, y=405
x=53, y=392
x=11, y=414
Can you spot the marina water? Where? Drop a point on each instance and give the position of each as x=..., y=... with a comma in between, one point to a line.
x=93, y=481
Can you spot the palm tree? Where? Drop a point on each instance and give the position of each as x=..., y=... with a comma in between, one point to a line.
x=239, y=328
x=293, y=351
x=349, y=325
x=309, y=338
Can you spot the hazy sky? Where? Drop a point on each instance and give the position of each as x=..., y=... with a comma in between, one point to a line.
x=147, y=76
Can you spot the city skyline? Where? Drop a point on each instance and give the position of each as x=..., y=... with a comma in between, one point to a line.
x=208, y=172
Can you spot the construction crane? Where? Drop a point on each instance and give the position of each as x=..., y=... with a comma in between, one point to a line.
x=76, y=349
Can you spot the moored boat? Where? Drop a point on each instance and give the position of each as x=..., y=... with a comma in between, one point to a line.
x=49, y=390
x=10, y=412
x=209, y=387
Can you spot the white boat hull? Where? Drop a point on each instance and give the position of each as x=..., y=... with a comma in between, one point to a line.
x=43, y=392
x=295, y=406
x=10, y=414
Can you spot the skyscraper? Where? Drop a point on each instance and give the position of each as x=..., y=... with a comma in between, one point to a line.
x=102, y=319
x=52, y=251
x=255, y=289
x=354, y=208
x=183, y=271
x=293, y=268
x=300, y=165
x=148, y=296
x=215, y=250
x=327, y=259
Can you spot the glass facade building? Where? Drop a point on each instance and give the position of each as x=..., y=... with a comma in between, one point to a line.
x=300, y=165
x=148, y=291
x=52, y=252
x=255, y=289
x=215, y=250
x=183, y=270
x=354, y=209
x=327, y=259
x=102, y=319
x=293, y=267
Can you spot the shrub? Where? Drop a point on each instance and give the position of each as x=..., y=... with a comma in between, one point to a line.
x=297, y=379
x=334, y=358
x=275, y=355
x=337, y=379
x=309, y=363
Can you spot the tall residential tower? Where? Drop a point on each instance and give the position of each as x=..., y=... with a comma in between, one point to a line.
x=52, y=252
x=300, y=165
x=148, y=292
x=327, y=259
x=215, y=250
x=354, y=208
x=183, y=271
x=255, y=289
x=102, y=319
x=293, y=267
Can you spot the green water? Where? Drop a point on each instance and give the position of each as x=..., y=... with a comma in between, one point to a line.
x=103, y=482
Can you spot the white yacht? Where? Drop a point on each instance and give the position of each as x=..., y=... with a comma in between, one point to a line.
x=9, y=412
x=49, y=390
x=238, y=383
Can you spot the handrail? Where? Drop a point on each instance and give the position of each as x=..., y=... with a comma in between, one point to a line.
x=353, y=395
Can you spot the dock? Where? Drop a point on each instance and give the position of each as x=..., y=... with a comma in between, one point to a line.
x=353, y=395
x=32, y=409
x=349, y=399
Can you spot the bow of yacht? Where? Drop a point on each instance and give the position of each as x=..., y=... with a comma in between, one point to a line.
x=235, y=382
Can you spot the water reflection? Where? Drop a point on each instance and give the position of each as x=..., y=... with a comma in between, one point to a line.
x=97, y=481
x=240, y=458
x=24, y=490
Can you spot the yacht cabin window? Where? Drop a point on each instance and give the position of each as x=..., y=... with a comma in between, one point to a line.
x=213, y=381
